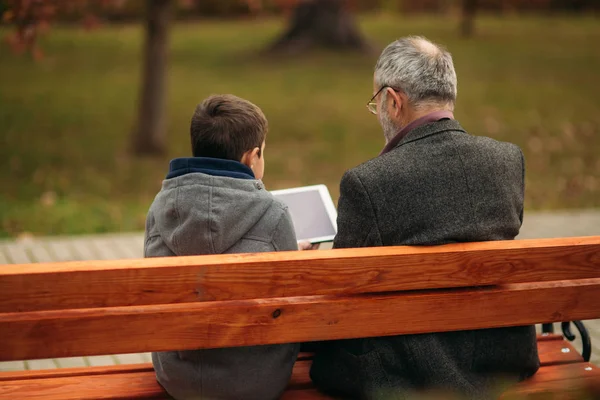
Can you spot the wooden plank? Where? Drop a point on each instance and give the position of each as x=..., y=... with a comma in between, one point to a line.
x=287, y=274
x=305, y=356
x=139, y=382
x=68, y=333
x=300, y=374
x=566, y=381
x=115, y=382
x=562, y=381
x=550, y=352
x=135, y=385
x=549, y=336
x=553, y=352
x=73, y=372
x=300, y=378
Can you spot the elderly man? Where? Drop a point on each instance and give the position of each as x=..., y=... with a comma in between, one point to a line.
x=433, y=183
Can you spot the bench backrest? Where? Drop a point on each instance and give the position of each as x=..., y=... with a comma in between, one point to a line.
x=109, y=307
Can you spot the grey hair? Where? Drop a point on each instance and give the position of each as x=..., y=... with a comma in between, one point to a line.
x=424, y=71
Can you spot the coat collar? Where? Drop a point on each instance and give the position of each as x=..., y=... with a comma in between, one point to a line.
x=424, y=120
x=209, y=166
x=432, y=128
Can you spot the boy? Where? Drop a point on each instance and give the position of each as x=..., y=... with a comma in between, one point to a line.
x=211, y=203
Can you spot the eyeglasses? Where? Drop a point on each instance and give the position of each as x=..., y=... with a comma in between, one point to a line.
x=372, y=104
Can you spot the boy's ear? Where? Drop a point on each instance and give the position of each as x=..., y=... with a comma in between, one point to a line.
x=249, y=157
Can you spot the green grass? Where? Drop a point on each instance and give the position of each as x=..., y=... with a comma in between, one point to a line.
x=64, y=122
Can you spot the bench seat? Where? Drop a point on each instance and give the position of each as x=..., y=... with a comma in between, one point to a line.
x=560, y=363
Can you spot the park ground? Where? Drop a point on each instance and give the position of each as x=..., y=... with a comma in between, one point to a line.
x=65, y=120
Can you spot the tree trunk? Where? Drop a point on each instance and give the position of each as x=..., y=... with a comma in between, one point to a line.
x=148, y=137
x=320, y=23
x=467, y=26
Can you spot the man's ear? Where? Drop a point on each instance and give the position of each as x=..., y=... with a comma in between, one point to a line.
x=397, y=101
x=250, y=157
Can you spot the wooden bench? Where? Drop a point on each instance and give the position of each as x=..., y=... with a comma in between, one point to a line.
x=110, y=307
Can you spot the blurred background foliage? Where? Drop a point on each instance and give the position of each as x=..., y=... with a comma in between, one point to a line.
x=133, y=10
x=529, y=76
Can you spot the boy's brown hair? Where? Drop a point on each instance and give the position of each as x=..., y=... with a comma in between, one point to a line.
x=226, y=126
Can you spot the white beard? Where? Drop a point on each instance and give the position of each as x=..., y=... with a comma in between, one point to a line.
x=390, y=129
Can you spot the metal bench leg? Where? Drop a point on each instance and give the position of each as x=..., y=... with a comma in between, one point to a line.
x=547, y=328
x=586, y=341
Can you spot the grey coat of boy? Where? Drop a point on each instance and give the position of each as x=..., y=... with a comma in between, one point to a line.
x=202, y=214
x=438, y=185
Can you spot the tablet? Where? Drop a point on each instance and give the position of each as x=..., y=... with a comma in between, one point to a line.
x=313, y=212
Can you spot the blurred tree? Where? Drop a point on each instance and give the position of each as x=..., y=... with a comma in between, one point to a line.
x=32, y=16
x=324, y=23
x=149, y=134
x=467, y=25
x=320, y=23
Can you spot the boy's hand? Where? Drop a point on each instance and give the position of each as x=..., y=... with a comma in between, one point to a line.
x=305, y=245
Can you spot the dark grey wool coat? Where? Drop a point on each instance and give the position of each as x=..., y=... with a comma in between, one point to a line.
x=439, y=185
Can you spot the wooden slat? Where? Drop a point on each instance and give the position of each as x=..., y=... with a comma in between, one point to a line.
x=72, y=372
x=560, y=382
x=44, y=334
x=306, y=356
x=564, y=382
x=285, y=274
x=113, y=386
x=550, y=352
x=136, y=385
x=59, y=384
x=549, y=336
x=301, y=375
x=553, y=352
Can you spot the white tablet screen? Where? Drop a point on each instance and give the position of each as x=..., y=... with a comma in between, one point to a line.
x=312, y=212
